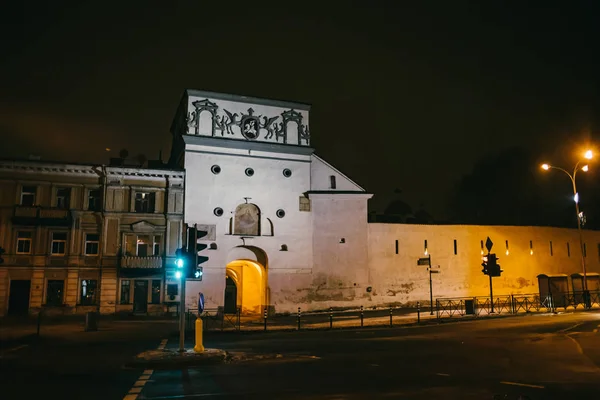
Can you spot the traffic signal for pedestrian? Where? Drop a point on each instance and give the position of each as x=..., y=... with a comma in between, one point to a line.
x=484, y=264
x=195, y=247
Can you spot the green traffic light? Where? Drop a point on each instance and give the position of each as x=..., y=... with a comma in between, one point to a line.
x=179, y=262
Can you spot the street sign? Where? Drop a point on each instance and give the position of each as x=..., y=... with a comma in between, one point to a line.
x=488, y=244
x=423, y=261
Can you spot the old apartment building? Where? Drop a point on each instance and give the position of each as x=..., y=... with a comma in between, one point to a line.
x=78, y=238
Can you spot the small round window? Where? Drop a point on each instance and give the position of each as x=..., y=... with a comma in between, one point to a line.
x=218, y=211
x=215, y=169
x=280, y=213
x=249, y=171
x=287, y=172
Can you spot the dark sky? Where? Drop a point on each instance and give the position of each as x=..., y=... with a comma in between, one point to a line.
x=404, y=94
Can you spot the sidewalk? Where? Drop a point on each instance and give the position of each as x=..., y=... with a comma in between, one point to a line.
x=15, y=331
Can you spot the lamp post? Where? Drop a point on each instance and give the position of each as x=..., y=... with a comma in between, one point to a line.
x=572, y=176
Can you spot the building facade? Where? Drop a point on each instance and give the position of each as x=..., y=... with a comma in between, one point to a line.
x=284, y=229
x=81, y=238
x=288, y=230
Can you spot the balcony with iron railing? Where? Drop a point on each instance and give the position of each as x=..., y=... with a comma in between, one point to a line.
x=37, y=215
x=140, y=266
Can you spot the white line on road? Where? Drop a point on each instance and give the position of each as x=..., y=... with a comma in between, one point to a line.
x=442, y=374
x=579, y=349
x=15, y=348
x=522, y=384
x=571, y=327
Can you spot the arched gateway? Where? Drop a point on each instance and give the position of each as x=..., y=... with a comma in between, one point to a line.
x=246, y=280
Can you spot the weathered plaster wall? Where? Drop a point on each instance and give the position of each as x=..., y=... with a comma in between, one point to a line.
x=397, y=278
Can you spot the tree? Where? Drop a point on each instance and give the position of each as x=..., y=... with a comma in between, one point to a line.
x=508, y=188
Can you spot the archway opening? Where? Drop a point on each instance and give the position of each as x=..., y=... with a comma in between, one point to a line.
x=250, y=281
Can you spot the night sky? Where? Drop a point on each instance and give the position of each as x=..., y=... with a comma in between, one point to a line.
x=404, y=95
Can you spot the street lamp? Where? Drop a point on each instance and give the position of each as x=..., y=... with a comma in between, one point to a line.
x=587, y=155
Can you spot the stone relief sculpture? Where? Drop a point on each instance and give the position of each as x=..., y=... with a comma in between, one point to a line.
x=249, y=125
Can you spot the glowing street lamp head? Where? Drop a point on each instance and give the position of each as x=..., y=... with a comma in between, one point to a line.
x=588, y=154
x=585, y=168
x=545, y=167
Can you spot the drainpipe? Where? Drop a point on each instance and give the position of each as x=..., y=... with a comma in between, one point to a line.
x=102, y=235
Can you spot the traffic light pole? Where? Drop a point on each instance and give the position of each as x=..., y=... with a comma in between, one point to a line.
x=182, y=316
x=491, y=290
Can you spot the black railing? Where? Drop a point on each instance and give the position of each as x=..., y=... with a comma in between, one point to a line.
x=514, y=304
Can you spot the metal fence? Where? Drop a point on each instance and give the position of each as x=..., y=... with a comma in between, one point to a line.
x=216, y=319
x=513, y=304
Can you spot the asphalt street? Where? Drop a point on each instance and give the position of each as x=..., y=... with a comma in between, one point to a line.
x=69, y=363
x=529, y=357
x=536, y=357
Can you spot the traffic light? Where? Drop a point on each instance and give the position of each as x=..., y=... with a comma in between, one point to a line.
x=493, y=266
x=181, y=263
x=484, y=264
x=194, y=248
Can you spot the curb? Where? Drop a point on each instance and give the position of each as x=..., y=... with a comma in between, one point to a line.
x=170, y=359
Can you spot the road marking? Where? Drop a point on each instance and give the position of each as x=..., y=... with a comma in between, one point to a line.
x=138, y=385
x=442, y=374
x=15, y=348
x=579, y=349
x=522, y=384
x=571, y=327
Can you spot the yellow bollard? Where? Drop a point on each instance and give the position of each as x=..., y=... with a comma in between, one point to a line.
x=199, y=347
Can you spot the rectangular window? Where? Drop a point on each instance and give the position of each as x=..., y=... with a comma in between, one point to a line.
x=125, y=291
x=54, y=293
x=568, y=249
x=28, y=195
x=144, y=202
x=482, y=247
x=156, y=246
x=63, y=197
x=59, y=243
x=87, y=296
x=396, y=246
x=455, y=247
x=143, y=246
x=94, y=200
x=507, y=252
x=92, y=244
x=531, y=247
x=156, y=291
x=24, y=242
x=332, y=182
x=551, y=250
x=172, y=291
x=425, y=246
x=304, y=204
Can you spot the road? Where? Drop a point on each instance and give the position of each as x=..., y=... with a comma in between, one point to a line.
x=68, y=363
x=538, y=356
